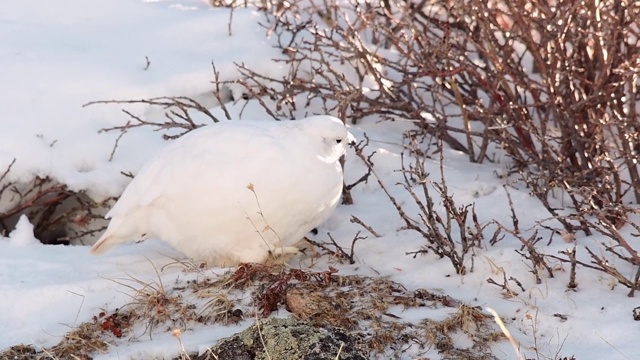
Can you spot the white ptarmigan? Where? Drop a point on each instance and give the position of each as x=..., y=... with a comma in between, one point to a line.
x=235, y=191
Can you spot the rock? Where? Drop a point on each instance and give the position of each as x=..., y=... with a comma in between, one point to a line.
x=287, y=339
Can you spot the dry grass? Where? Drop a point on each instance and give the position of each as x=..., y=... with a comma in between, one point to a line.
x=18, y=352
x=81, y=342
x=78, y=344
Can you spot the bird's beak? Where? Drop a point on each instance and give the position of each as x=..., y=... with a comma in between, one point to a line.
x=351, y=140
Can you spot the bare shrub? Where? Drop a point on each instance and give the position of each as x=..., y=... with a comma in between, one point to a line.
x=551, y=85
x=454, y=236
x=618, y=250
x=441, y=232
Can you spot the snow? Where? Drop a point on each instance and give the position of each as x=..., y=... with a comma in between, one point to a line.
x=57, y=56
x=22, y=235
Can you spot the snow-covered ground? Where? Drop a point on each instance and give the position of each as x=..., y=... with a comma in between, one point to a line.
x=57, y=56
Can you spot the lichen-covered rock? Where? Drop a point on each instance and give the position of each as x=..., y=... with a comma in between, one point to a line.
x=287, y=339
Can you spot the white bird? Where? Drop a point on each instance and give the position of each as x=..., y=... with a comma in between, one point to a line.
x=236, y=191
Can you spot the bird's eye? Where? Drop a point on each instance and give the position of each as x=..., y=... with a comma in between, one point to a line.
x=338, y=141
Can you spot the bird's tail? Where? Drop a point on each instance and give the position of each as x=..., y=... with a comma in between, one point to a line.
x=105, y=243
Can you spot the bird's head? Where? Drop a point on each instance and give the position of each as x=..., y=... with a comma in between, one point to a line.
x=332, y=133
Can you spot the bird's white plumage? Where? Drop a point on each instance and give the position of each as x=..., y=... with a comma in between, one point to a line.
x=235, y=191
